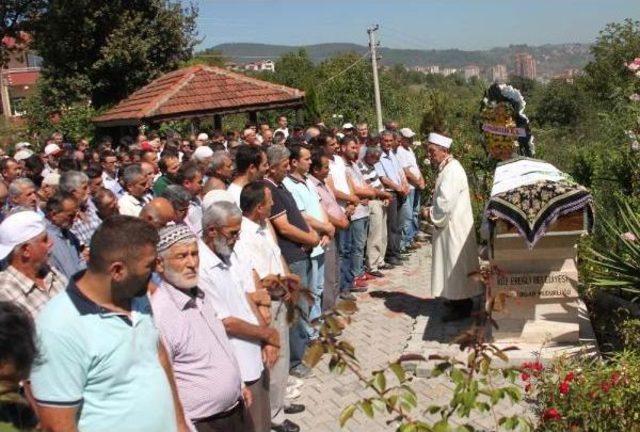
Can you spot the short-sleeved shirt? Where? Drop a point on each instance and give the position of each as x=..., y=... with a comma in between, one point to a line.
x=284, y=203
x=86, y=224
x=260, y=247
x=18, y=288
x=235, y=190
x=112, y=184
x=338, y=174
x=407, y=159
x=227, y=284
x=160, y=185
x=370, y=175
x=104, y=363
x=65, y=253
x=389, y=167
x=194, y=216
x=204, y=364
x=130, y=205
x=327, y=198
x=307, y=200
x=361, y=211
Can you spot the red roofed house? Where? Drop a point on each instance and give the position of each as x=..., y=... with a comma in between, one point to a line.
x=18, y=77
x=198, y=92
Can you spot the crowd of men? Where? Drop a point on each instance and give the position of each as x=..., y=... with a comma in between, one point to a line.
x=149, y=264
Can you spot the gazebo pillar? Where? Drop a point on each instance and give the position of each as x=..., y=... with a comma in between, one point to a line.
x=217, y=122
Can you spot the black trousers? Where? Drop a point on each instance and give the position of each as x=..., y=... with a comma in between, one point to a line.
x=394, y=226
x=234, y=420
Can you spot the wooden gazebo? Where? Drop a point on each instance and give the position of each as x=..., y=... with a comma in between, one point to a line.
x=199, y=92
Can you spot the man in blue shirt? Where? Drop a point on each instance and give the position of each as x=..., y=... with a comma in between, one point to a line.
x=60, y=211
x=391, y=176
x=103, y=365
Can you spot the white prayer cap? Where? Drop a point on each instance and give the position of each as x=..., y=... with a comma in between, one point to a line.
x=348, y=126
x=441, y=140
x=202, y=153
x=23, y=154
x=214, y=196
x=52, y=149
x=340, y=135
x=19, y=228
x=22, y=145
x=407, y=133
x=203, y=137
x=52, y=179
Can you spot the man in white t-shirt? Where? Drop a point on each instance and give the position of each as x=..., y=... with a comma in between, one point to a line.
x=409, y=164
x=251, y=165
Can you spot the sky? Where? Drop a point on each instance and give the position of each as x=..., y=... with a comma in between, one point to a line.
x=411, y=24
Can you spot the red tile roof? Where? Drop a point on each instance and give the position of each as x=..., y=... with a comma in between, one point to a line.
x=21, y=78
x=198, y=91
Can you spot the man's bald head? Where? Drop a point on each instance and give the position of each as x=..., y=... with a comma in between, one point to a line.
x=159, y=212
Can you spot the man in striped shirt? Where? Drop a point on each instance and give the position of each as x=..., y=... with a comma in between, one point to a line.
x=377, y=237
x=205, y=367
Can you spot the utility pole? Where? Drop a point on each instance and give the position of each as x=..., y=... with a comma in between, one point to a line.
x=374, y=64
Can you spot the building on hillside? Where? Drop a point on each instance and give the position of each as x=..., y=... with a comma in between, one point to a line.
x=448, y=71
x=499, y=74
x=525, y=66
x=429, y=69
x=471, y=71
x=568, y=75
x=19, y=75
x=262, y=65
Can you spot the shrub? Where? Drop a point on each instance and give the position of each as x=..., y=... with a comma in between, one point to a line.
x=587, y=395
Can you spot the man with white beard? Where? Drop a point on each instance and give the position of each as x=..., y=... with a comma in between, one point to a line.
x=229, y=282
x=205, y=367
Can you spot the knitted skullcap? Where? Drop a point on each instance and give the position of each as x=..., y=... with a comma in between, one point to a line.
x=172, y=234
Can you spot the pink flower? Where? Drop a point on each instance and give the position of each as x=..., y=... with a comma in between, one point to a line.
x=634, y=65
x=563, y=387
x=525, y=376
x=570, y=376
x=634, y=97
x=629, y=236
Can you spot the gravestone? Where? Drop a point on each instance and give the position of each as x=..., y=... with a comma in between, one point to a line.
x=536, y=292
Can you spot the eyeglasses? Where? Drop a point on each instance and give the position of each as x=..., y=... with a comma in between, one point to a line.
x=233, y=235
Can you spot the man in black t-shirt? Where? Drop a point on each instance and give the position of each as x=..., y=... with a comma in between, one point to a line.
x=296, y=239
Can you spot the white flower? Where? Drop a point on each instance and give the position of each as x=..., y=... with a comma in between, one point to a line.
x=635, y=97
x=635, y=145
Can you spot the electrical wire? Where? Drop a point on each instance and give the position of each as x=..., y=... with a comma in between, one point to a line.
x=367, y=54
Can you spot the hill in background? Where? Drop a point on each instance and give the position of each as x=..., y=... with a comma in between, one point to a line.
x=550, y=59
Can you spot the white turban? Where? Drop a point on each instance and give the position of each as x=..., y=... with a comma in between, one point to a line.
x=441, y=140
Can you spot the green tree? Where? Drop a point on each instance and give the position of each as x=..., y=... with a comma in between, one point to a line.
x=295, y=70
x=607, y=76
x=102, y=51
x=560, y=104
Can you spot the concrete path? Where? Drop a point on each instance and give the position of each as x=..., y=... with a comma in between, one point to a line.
x=396, y=312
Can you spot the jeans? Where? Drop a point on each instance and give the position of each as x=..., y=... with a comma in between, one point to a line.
x=359, y=229
x=298, y=337
x=343, y=240
x=415, y=220
x=406, y=216
x=316, y=287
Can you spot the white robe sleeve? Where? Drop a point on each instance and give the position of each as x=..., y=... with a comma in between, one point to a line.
x=444, y=199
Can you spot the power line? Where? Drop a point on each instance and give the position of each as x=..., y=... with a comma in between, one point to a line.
x=343, y=70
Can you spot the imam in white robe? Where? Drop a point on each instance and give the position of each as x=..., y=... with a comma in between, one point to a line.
x=455, y=251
